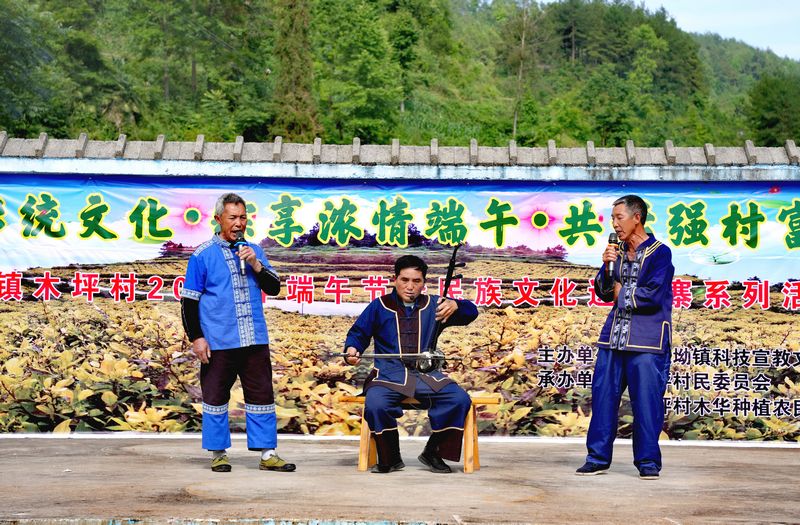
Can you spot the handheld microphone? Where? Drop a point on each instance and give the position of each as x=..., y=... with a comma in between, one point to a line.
x=612, y=239
x=236, y=244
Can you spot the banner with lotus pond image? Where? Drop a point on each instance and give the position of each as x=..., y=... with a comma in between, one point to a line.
x=91, y=265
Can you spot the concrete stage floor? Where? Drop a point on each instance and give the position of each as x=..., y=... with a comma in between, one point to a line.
x=92, y=480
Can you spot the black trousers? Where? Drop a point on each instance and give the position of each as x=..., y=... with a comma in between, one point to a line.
x=250, y=364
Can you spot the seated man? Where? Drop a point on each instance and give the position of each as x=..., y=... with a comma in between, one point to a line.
x=403, y=322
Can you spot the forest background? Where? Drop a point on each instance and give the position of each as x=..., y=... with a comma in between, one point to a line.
x=572, y=71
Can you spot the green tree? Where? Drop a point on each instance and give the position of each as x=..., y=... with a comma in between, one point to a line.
x=529, y=130
x=524, y=38
x=566, y=122
x=293, y=101
x=103, y=102
x=575, y=23
x=681, y=72
x=358, y=85
x=649, y=50
x=434, y=19
x=32, y=86
x=605, y=70
x=648, y=127
x=605, y=97
x=404, y=37
x=773, y=109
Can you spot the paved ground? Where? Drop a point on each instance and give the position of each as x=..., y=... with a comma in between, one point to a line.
x=522, y=481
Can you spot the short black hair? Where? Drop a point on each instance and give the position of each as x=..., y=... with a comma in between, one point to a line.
x=410, y=261
x=634, y=204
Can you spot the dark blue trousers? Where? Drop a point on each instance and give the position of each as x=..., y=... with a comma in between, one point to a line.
x=447, y=410
x=645, y=375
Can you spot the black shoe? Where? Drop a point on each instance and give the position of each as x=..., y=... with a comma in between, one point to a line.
x=648, y=473
x=434, y=462
x=385, y=469
x=591, y=469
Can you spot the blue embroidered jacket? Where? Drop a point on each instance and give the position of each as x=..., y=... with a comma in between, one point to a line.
x=641, y=318
x=398, y=329
x=231, y=312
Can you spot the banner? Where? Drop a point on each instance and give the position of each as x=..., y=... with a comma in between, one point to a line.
x=90, y=266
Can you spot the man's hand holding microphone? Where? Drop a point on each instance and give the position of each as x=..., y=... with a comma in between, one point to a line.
x=246, y=254
x=610, y=259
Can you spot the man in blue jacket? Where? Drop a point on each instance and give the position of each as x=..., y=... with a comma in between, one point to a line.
x=634, y=344
x=224, y=319
x=403, y=322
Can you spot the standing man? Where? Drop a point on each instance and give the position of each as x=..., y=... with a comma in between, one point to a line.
x=224, y=319
x=403, y=322
x=634, y=345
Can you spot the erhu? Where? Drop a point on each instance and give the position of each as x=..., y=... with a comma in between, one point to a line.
x=432, y=358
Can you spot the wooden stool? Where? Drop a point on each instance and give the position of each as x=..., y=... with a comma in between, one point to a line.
x=368, y=454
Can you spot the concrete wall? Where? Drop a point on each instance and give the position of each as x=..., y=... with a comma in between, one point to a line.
x=600, y=160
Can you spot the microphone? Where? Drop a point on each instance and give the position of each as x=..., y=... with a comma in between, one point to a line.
x=612, y=239
x=235, y=245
